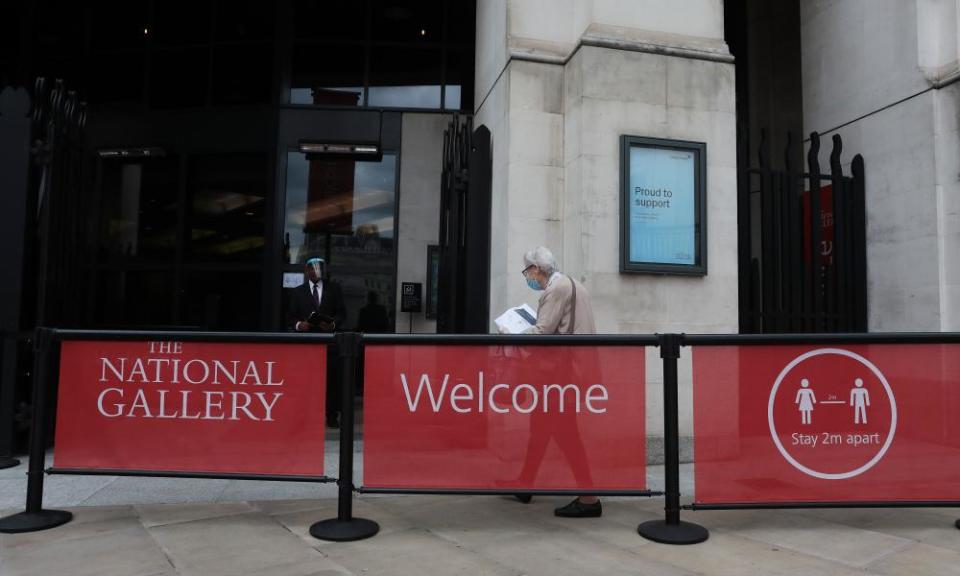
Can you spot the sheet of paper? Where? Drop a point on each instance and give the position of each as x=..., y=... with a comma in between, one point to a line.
x=516, y=320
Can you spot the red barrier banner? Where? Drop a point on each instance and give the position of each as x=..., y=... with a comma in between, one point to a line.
x=192, y=407
x=501, y=417
x=827, y=424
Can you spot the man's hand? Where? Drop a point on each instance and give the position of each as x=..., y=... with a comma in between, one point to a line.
x=302, y=326
x=327, y=326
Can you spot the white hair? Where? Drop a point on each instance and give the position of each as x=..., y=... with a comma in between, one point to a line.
x=542, y=259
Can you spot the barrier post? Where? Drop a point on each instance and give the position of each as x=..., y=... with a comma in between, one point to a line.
x=35, y=517
x=8, y=387
x=346, y=528
x=671, y=530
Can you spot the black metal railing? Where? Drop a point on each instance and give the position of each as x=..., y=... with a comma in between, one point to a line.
x=809, y=272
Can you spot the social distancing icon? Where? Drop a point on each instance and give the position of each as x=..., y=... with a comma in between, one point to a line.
x=832, y=414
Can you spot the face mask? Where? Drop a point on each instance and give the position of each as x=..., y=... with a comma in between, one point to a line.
x=533, y=284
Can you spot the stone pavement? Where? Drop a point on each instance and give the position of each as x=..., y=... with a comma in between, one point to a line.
x=155, y=526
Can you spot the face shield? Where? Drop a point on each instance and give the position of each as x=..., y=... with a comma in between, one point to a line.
x=316, y=266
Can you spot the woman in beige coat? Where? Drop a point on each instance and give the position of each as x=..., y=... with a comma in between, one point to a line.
x=564, y=308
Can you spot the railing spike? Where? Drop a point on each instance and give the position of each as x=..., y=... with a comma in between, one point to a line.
x=835, y=167
x=813, y=155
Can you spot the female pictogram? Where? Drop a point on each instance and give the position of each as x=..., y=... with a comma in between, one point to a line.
x=806, y=399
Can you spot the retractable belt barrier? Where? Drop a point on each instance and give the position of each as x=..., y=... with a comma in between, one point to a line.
x=814, y=421
x=781, y=421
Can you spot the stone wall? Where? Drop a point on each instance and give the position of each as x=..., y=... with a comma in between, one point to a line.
x=421, y=163
x=880, y=73
x=575, y=76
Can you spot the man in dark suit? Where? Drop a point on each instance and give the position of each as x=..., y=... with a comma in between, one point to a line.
x=316, y=295
x=317, y=306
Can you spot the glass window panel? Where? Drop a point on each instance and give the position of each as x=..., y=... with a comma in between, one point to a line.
x=459, y=79
x=331, y=20
x=116, y=77
x=461, y=24
x=134, y=299
x=65, y=65
x=118, y=25
x=242, y=74
x=329, y=75
x=451, y=99
x=343, y=211
x=222, y=301
x=407, y=21
x=140, y=208
x=59, y=25
x=179, y=78
x=181, y=22
x=245, y=19
x=404, y=77
x=227, y=207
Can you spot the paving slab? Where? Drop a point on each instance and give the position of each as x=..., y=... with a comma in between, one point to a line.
x=163, y=514
x=725, y=554
x=845, y=544
x=919, y=559
x=927, y=525
x=111, y=547
x=413, y=552
x=235, y=545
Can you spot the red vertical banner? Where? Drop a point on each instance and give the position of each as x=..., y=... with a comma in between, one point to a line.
x=192, y=407
x=827, y=424
x=502, y=417
x=826, y=223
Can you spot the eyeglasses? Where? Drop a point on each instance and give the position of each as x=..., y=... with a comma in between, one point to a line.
x=527, y=269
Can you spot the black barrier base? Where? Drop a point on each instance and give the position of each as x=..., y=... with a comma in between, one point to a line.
x=34, y=521
x=957, y=524
x=336, y=530
x=8, y=462
x=681, y=533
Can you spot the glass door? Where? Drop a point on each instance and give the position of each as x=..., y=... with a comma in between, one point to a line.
x=345, y=212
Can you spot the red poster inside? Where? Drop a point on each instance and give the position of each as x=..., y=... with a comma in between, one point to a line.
x=500, y=417
x=192, y=407
x=827, y=424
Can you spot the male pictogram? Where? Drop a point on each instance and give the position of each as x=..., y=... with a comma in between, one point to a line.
x=859, y=399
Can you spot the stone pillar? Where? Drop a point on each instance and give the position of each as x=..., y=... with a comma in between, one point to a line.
x=558, y=83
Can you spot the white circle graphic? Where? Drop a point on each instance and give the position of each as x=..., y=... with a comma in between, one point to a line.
x=827, y=475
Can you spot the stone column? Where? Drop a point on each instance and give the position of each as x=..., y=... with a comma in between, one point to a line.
x=558, y=83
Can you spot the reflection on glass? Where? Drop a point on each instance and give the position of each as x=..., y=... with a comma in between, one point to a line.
x=227, y=204
x=343, y=212
x=228, y=301
x=134, y=299
x=328, y=75
x=242, y=74
x=405, y=77
x=458, y=75
x=405, y=96
x=139, y=208
x=452, y=97
x=326, y=20
x=350, y=96
x=179, y=77
x=407, y=20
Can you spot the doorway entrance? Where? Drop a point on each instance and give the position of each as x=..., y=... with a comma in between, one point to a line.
x=345, y=211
